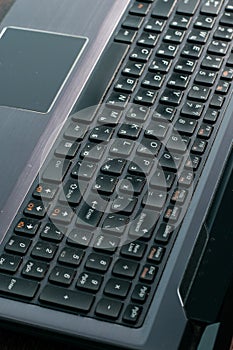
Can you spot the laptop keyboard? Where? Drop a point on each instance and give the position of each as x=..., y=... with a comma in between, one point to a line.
x=95, y=231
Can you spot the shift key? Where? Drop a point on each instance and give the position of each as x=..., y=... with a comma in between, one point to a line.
x=18, y=287
x=56, y=170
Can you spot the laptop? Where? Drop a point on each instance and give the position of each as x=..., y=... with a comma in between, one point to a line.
x=116, y=170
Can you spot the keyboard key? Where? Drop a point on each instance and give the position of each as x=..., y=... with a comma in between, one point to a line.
x=185, y=125
x=132, y=185
x=187, y=7
x=224, y=33
x=124, y=204
x=18, y=287
x=162, y=179
x=179, y=81
x=101, y=134
x=180, y=22
x=36, y=209
x=164, y=233
x=45, y=191
x=211, y=8
x=155, y=25
x=199, y=36
x=143, y=225
x=61, y=214
x=118, y=100
x=51, y=232
x=106, y=243
x=108, y=308
x=139, y=9
x=18, y=245
x=167, y=50
x=92, y=210
x=205, y=131
x=125, y=36
x=66, y=298
x=164, y=113
x=171, y=97
x=27, y=227
x=153, y=81
x=155, y=199
x=132, y=313
x=212, y=62
x=199, y=146
x=199, y=93
x=148, y=273
x=125, y=268
x=177, y=143
x=98, y=262
x=157, y=130
x=156, y=254
x=134, y=250
x=71, y=256
x=140, y=166
x=9, y=263
x=172, y=213
x=133, y=69
x=170, y=161
x=161, y=65
x=61, y=275
x=193, y=162
x=80, y=238
x=132, y=22
x=185, y=65
x=205, y=77
x=174, y=36
x=113, y=166
x=122, y=148
x=35, y=269
x=75, y=131
x=218, y=47
x=186, y=178
x=117, y=288
x=141, y=293
x=93, y=152
x=147, y=40
x=179, y=196
x=192, y=110
x=125, y=84
x=211, y=115
x=205, y=22
x=43, y=250
x=67, y=149
x=109, y=117
x=227, y=19
x=145, y=97
x=56, y=170
x=163, y=8
x=149, y=147
x=115, y=223
x=192, y=51
x=130, y=131
x=89, y=281
x=217, y=101
x=105, y=184
x=138, y=114
x=83, y=170
x=72, y=192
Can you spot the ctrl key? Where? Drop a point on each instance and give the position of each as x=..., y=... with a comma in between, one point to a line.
x=18, y=287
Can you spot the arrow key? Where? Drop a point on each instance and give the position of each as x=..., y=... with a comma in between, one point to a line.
x=61, y=214
x=36, y=209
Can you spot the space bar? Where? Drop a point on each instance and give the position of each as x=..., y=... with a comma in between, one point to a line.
x=102, y=75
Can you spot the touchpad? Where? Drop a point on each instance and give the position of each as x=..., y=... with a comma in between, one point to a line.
x=34, y=65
